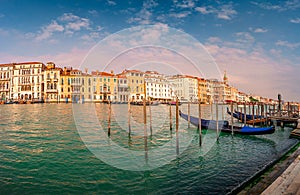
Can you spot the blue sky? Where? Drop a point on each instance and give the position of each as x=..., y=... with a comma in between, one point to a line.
x=256, y=42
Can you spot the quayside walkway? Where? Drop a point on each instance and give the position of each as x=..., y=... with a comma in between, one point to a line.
x=288, y=182
x=283, y=179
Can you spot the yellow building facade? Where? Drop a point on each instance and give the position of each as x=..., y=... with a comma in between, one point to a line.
x=136, y=84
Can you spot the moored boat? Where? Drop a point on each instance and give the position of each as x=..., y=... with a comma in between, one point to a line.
x=225, y=127
x=241, y=116
x=173, y=103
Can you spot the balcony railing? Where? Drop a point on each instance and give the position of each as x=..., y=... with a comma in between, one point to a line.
x=51, y=90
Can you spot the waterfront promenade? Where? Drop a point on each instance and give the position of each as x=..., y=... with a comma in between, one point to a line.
x=283, y=179
x=288, y=182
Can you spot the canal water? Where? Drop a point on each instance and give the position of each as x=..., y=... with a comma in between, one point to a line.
x=43, y=151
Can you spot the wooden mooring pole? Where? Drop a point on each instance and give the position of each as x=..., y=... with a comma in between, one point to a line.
x=145, y=129
x=199, y=123
x=211, y=111
x=231, y=116
x=129, y=116
x=177, y=125
x=253, y=114
x=189, y=114
x=217, y=121
x=288, y=109
x=109, y=118
x=150, y=119
x=245, y=112
x=177, y=115
x=170, y=112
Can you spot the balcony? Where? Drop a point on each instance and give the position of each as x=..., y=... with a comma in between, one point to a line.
x=75, y=84
x=51, y=90
x=76, y=92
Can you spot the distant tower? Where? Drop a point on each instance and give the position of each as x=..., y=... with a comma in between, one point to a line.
x=225, y=79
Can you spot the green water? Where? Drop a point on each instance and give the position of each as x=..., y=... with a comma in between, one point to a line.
x=41, y=152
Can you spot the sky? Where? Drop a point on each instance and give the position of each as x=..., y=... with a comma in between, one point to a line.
x=256, y=42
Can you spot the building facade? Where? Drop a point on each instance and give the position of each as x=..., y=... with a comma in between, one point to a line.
x=136, y=84
x=52, y=83
x=27, y=81
x=185, y=87
x=6, y=71
x=157, y=87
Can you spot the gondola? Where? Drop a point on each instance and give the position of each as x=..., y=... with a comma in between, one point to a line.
x=241, y=116
x=225, y=127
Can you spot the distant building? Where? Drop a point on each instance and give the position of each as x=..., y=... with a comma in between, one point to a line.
x=185, y=87
x=136, y=84
x=202, y=90
x=27, y=81
x=33, y=81
x=6, y=71
x=105, y=86
x=123, y=88
x=52, y=91
x=157, y=87
x=70, y=85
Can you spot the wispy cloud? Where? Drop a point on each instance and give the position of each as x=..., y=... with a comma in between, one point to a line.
x=225, y=12
x=296, y=20
x=74, y=23
x=214, y=40
x=280, y=6
x=47, y=31
x=258, y=30
x=180, y=15
x=144, y=16
x=244, y=37
x=93, y=12
x=68, y=23
x=110, y=2
x=184, y=3
x=288, y=44
x=205, y=10
x=2, y=15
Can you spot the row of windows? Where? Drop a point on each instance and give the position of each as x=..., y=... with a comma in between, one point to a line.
x=137, y=74
x=159, y=90
x=55, y=76
x=3, y=86
x=159, y=85
x=105, y=79
x=160, y=94
x=75, y=81
x=137, y=81
x=29, y=71
x=4, y=75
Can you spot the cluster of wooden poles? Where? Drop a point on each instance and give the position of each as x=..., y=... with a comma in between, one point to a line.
x=261, y=110
x=150, y=119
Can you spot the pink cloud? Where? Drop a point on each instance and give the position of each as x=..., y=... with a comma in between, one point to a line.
x=72, y=58
x=255, y=72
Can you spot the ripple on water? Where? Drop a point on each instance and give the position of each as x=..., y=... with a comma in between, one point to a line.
x=42, y=153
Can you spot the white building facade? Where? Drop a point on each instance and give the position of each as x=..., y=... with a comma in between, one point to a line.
x=27, y=81
x=158, y=87
x=185, y=87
